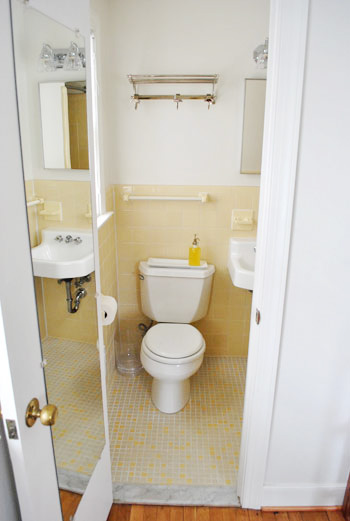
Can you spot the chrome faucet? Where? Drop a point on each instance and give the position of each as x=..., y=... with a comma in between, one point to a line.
x=59, y=238
x=68, y=238
x=78, y=240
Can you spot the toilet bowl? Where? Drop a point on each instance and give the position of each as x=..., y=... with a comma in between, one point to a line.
x=172, y=353
x=174, y=294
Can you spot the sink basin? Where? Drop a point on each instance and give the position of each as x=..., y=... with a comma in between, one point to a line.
x=241, y=262
x=56, y=259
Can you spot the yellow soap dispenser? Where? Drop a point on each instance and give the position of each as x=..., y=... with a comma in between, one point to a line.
x=194, y=257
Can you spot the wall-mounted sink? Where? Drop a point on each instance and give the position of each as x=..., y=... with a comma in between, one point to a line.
x=241, y=262
x=64, y=254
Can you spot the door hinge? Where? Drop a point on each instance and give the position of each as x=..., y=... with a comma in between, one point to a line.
x=12, y=429
x=257, y=316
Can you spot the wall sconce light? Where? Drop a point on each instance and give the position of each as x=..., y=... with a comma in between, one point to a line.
x=72, y=59
x=261, y=54
x=47, y=61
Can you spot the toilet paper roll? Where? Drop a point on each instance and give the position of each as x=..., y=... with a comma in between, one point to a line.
x=109, y=309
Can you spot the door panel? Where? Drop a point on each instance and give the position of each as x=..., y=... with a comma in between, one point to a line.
x=21, y=376
x=53, y=128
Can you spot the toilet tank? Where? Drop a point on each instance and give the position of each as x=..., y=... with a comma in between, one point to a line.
x=175, y=292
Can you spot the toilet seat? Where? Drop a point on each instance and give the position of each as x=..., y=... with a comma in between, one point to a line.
x=173, y=343
x=173, y=340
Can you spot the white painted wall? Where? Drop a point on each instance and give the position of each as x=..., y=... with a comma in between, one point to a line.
x=158, y=144
x=309, y=454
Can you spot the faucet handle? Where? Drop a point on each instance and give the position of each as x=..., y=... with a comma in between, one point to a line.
x=59, y=238
x=78, y=240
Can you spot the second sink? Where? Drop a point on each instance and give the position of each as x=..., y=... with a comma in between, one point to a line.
x=241, y=262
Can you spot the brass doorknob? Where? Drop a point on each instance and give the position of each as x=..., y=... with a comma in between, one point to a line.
x=47, y=414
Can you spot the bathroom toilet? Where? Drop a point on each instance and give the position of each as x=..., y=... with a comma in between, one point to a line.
x=174, y=295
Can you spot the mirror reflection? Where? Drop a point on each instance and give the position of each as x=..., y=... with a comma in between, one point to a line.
x=253, y=126
x=64, y=124
x=59, y=218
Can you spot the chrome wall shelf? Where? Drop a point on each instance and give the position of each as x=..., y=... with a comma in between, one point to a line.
x=153, y=79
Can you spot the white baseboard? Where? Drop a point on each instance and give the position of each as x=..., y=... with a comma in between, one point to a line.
x=303, y=495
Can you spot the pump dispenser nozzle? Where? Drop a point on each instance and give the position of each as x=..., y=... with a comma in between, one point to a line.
x=195, y=240
x=194, y=258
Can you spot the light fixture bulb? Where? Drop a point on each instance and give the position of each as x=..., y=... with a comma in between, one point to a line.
x=261, y=54
x=47, y=59
x=73, y=61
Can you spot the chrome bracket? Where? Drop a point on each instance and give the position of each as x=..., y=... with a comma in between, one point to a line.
x=177, y=100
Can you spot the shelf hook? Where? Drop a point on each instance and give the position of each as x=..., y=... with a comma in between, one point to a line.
x=210, y=100
x=136, y=99
x=177, y=99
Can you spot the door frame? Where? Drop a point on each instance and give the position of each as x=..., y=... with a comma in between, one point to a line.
x=287, y=50
x=288, y=32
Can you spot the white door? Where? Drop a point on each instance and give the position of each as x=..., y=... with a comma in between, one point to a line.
x=21, y=372
x=21, y=375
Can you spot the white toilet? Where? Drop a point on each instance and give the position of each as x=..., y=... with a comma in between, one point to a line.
x=174, y=295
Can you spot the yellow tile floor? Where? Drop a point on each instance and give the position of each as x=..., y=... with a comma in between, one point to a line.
x=197, y=446
x=74, y=384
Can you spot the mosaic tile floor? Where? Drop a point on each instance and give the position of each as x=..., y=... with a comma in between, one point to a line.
x=197, y=446
x=74, y=385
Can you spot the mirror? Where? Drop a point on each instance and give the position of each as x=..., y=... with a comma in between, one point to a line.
x=253, y=126
x=59, y=215
x=64, y=124
x=29, y=42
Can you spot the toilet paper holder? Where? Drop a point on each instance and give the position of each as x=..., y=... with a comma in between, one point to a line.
x=109, y=307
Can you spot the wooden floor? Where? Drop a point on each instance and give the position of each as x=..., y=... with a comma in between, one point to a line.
x=164, y=513
x=154, y=513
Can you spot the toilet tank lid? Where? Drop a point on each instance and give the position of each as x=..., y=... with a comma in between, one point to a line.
x=175, y=263
x=176, y=268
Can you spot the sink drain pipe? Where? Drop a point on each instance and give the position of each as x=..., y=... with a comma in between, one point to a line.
x=74, y=303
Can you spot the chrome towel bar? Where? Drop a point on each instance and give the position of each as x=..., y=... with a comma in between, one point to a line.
x=35, y=202
x=202, y=197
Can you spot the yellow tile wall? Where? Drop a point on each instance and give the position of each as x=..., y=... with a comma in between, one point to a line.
x=75, y=198
x=40, y=307
x=165, y=229
x=108, y=267
x=31, y=213
x=78, y=137
x=51, y=297
x=33, y=235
